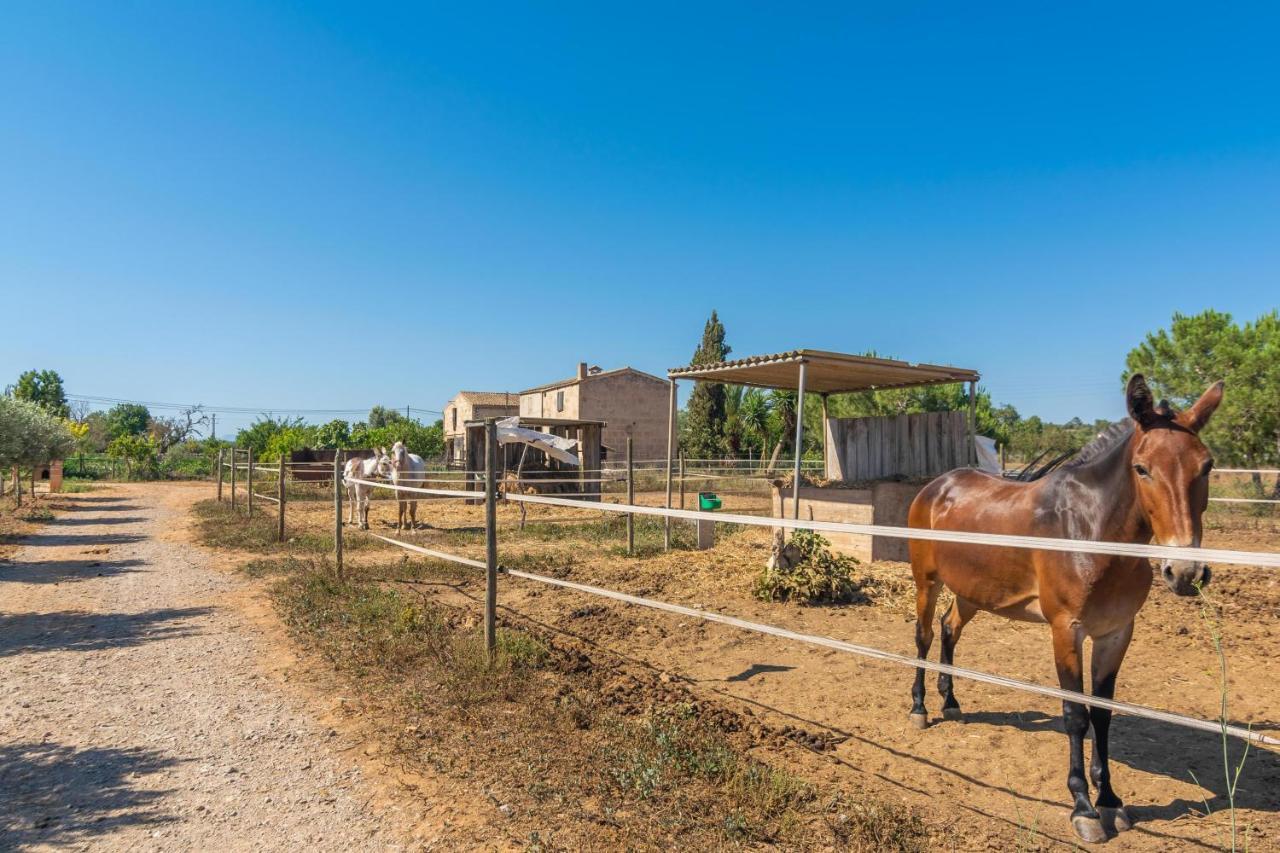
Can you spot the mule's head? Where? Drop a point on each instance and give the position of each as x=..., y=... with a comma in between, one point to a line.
x=399, y=455
x=1170, y=469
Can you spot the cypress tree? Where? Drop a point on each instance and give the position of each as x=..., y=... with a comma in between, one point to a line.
x=705, y=415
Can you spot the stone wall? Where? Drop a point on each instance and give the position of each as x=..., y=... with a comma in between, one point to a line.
x=628, y=403
x=880, y=503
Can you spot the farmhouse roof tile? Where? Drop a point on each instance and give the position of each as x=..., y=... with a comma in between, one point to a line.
x=490, y=398
x=574, y=380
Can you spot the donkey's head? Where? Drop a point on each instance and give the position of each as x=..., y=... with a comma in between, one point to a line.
x=1170, y=468
x=382, y=463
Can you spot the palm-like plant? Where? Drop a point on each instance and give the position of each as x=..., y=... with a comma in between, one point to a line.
x=753, y=414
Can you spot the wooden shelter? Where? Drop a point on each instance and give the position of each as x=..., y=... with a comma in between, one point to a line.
x=822, y=373
x=589, y=452
x=309, y=465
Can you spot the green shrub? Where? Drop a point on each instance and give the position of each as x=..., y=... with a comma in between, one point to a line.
x=819, y=576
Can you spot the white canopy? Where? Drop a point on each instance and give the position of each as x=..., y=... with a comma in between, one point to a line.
x=988, y=455
x=555, y=446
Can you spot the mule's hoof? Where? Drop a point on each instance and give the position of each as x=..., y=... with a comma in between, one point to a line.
x=1089, y=829
x=920, y=721
x=1118, y=819
x=953, y=714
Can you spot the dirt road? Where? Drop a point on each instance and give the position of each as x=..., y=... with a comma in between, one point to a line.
x=133, y=711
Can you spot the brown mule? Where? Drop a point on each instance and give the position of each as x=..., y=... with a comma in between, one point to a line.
x=1145, y=479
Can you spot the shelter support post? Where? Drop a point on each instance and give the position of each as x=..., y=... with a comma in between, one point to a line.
x=973, y=423
x=799, y=448
x=219, y=472
x=233, y=477
x=491, y=536
x=248, y=484
x=671, y=446
x=825, y=442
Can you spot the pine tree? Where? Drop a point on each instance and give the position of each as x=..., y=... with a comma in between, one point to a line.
x=705, y=414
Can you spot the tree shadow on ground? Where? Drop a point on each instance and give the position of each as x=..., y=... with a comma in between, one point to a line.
x=55, y=540
x=89, y=522
x=117, y=507
x=58, y=795
x=100, y=499
x=60, y=571
x=70, y=630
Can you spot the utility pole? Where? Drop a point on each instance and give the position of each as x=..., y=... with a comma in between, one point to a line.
x=213, y=428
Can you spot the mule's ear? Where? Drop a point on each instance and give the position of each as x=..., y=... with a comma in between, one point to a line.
x=1198, y=415
x=1138, y=397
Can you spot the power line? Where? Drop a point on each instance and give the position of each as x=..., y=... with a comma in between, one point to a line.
x=230, y=410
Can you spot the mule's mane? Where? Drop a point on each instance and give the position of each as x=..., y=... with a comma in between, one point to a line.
x=1116, y=434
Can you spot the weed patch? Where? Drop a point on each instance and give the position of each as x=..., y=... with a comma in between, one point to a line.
x=547, y=733
x=814, y=575
x=219, y=526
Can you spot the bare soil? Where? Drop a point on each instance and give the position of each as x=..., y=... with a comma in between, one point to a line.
x=994, y=779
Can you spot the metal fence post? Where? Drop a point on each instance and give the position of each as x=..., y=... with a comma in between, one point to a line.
x=219, y=472
x=490, y=536
x=248, y=483
x=671, y=444
x=631, y=499
x=233, y=477
x=337, y=513
x=280, y=498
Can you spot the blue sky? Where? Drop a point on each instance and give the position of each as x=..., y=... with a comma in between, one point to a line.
x=328, y=206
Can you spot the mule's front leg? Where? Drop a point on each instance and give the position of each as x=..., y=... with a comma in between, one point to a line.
x=1108, y=653
x=1067, y=642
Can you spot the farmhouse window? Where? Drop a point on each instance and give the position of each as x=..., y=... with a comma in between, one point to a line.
x=559, y=401
x=454, y=412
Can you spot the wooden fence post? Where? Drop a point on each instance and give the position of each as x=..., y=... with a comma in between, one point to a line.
x=490, y=536
x=219, y=472
x=337, y=513
x=631, y=499
x=248, y=483
x=280, y=498
x=682, y=479
x=234, y=452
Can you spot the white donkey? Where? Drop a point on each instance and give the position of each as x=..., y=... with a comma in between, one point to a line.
x=407, y=469
x=375, y=467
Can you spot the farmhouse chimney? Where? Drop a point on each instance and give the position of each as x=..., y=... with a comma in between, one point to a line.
x=582, y=370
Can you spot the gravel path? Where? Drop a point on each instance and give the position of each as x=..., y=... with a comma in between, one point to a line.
x=133, y=714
